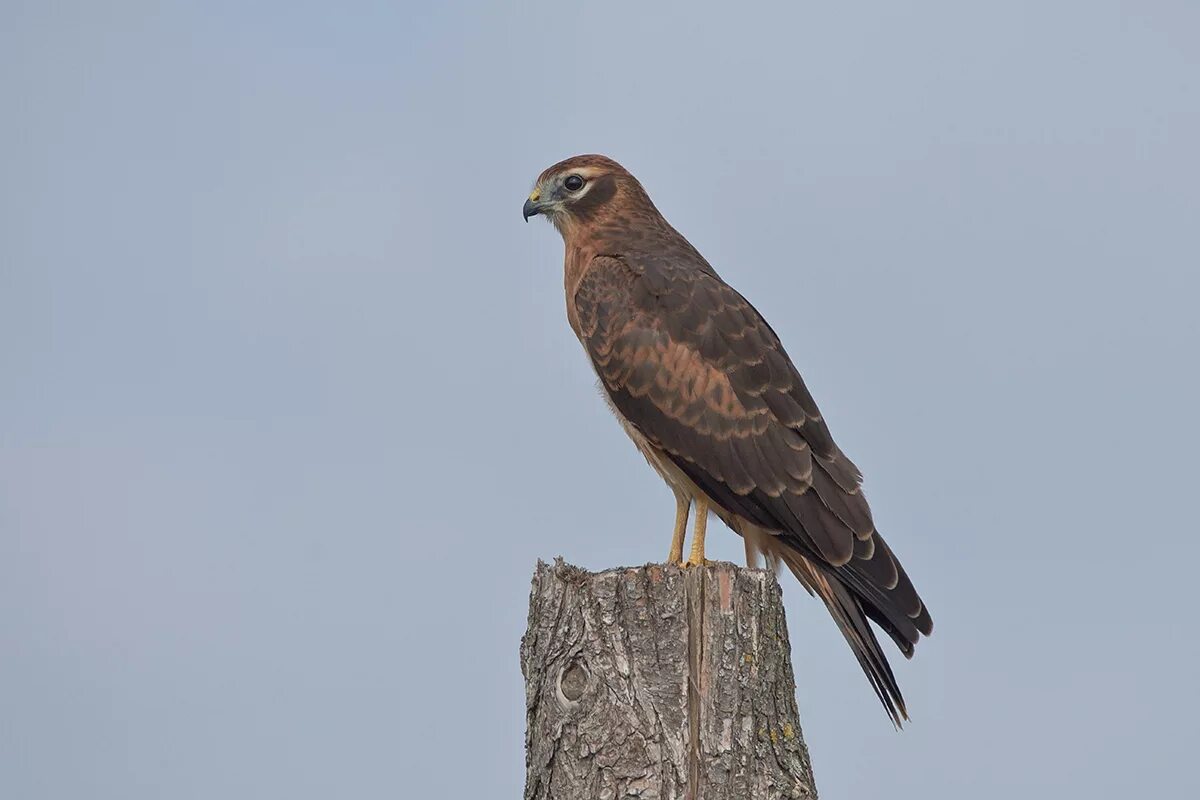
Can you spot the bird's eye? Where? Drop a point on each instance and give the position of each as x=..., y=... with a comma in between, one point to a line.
x=573, y=182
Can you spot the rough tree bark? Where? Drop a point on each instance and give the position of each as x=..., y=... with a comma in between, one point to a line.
x=660, y=683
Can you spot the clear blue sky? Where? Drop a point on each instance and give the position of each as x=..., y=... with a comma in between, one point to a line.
x=290, y=406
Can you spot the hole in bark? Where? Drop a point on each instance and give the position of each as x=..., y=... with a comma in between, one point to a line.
x=573, y=681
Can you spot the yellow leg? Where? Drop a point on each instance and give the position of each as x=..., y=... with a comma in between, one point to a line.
x=683, y=504
x=751, y=552
x=696, y=557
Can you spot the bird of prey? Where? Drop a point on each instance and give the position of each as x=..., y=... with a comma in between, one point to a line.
x=703, y=386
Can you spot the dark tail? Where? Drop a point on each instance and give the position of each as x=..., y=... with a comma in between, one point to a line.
x=849, y=614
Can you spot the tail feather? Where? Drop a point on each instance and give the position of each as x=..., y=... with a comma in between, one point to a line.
x=848, y=612
x=887, y=594
x=871, y=586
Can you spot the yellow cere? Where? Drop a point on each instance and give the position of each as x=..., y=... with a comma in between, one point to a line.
x=535, y=194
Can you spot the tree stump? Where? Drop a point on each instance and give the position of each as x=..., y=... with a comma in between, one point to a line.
x=660, y=683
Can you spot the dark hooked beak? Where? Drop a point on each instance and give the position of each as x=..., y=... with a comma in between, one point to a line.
x=531, y=208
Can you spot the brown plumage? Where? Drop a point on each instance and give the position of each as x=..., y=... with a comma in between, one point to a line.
x=703, y=385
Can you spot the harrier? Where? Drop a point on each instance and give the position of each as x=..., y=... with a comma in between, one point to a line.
x=703, y=386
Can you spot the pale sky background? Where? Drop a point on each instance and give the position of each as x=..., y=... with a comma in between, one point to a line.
x=290, y=407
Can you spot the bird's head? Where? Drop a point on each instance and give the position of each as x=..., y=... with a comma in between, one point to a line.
x=579, y=190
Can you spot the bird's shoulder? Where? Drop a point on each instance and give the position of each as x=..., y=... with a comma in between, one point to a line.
x=680, y=296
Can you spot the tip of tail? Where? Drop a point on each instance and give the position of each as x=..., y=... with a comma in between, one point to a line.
x=874, y=663
x=847, y=612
